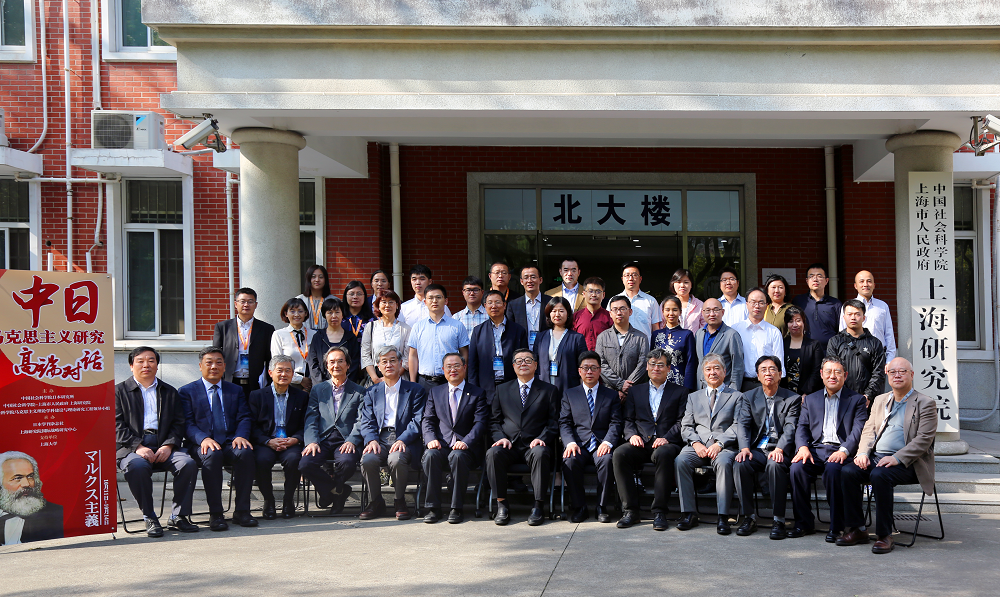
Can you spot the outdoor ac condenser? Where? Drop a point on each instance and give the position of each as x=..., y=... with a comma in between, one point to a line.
x=118, y=129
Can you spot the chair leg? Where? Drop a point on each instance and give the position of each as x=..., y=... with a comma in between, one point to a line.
x=816, y=496
x=479, y=494
x=552, y=495
x=916, y=526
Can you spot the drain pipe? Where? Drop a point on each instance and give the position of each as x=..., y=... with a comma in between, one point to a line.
x=45, y=78
x=831, y=223
x=230, y=181
x=95, y=63
x=69, y=139
x=397, y=225
x=97, y=228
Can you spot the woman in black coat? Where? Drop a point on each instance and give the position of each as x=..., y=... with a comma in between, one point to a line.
x=803, y=356
x=560, y=342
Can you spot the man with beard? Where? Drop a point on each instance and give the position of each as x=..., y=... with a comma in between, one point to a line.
x=24, y=513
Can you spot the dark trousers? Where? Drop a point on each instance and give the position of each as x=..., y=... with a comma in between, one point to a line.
x=628, y=460
x=427, y=383
x=398, y=463
x=573, y=469
x=539, y=459
x=139, y=474
x=882, y=479
x=242, y=461
x=344, y=465
x=777, y=481
x=459, y=462
x=804, y=473
x=289, y=459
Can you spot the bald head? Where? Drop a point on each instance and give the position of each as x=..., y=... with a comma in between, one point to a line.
x=712, y=312
x=900, y=373
x=864, y=283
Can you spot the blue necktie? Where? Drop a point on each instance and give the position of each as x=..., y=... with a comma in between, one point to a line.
x=218, y=418
x=592, y=444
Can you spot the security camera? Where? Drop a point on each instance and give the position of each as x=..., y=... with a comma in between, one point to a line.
x=992, y=124
x=199, y=134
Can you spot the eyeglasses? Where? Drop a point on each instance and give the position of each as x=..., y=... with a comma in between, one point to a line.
x=472, y=290
x=595, y=292
x=631, y=275
x=245, y=302
x=453, y=367
x=815, y=277
x=895, y=372
x=768, y=370
x=524, y=361
x=657, y=365
x=589, y=368
x=727, y=280
x=711, y=310
x=619, y=309
x=757, y=302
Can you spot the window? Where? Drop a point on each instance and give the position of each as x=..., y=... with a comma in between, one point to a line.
x=968, y=277
x=311, y=209
x=17, y=31
x=15, y=252
x=126, y=37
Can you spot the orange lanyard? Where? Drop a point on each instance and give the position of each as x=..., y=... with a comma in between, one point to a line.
x=297, y=347
x=239, y=331
x=356, y=329
x=315, y=307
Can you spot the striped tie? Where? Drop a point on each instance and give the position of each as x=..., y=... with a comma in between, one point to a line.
x=592, y=444
x=524, y=395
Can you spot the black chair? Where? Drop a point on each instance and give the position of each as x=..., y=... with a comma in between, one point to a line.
x=306, y=490
x=121, y=506
x=915, y=518
x=815, y=487
x=514, y=470
x=422, y=490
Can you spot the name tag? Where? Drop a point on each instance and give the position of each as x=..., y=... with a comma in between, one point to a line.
x=498, y=364
x=531, y=338
x=553, y=368
x=243, y=366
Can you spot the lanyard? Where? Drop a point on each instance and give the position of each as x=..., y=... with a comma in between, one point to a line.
x=316, y=307
x=244, y=342
x=297, y=346
x=356, y=329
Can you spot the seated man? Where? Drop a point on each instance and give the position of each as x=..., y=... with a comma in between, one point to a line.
x=218, y=425
x=709, y=430
x=525, y=423
x=454, y=425
x=590, y=422
x=149, y=429
x=897, y=448
x=827, y=434
x=652, y=415
x=766, y=433
x=277, y=413
x=389, y=423
x=331, y=431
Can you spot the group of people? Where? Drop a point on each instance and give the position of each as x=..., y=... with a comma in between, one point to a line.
x=739, y=385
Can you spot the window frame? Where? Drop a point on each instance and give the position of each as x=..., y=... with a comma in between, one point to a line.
x=33, y=225
x=112, y=48
x=319, y=228
x=25, y=53
x=981, y=348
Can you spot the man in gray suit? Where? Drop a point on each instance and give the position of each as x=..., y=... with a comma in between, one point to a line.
x=709, y=430
x=718, y=338
x=622, y=349
x=331, y=431
x=766, y=423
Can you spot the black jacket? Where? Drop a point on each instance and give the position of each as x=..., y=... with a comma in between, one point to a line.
x=810, y=357
x=864, y=359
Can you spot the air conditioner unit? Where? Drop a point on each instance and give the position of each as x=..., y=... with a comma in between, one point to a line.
x=116, y=129
x=3, y=132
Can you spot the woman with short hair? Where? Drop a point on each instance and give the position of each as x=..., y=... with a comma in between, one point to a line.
x=385, y=330
x=558, y=348
x=294, y=340
x=359, y=310
x=681, y=284
x=776, y=289
x=803, y=355
x=334, y=311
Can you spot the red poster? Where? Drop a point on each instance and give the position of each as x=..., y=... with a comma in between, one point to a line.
x=57, y=410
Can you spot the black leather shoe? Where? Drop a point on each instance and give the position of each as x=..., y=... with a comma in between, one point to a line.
x=288, y=510
x=270, y=513
x=580, y=515
x=660, y=522
x=244, y=519
x=629, y=518
x=778, y=531
x=603, y=516
x=432, y=516
x=340, y=499
x=456, y=516
x=324, y=501
x=536, y=517
x=503, y=514
x=832, y=536
x=217, y=522
x=153, y=528
x=182, y=524
x=722, y=527
x=687, y=522
x=801, y=531
x=749, y=527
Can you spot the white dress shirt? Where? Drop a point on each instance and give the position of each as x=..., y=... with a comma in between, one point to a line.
x=391, y=404
x=12, y=530
x=830, y=410
x=759, y=339
x=414, y=309
x=570, y=295
x=878, y=321
x=645, y=313
x=243, y=335
x=208, y=394
x=283, y=341
x=150, y=408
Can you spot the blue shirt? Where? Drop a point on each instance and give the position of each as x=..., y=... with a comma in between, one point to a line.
x=893, y=439
x=736, y=310
x=823, y=316
x=434, y=340
x=706, y=344
x=655, y=395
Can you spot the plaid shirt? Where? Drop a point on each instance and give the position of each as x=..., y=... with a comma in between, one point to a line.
x=470, y=319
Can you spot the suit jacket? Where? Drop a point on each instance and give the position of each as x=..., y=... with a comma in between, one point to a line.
x=198, y=411
x=702, y=425
x=567, y=358
x=130, y=411
x=753, y=410
x=471, y=423
x=262, y=414
x=321, y=422
x=227, y=337
x=810, y=356
x=625, y=362
x=47, y=523
x=482, y=351
x=729, y=346
x=517, y=311
x=538, y=419
x=576, y=423
x=581, y=295
x=639, y=418
x=851, y=417
x=919, y=431
x=410, y=409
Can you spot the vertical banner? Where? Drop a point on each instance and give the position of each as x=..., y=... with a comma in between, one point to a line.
x=57, y=413
x=932, y=291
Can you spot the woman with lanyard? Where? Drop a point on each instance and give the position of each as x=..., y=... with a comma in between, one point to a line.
x=334, y=335
x=315, y=290
x=803, y=356
x=385, y=330
x=380, y=282
x=358, y=311
x=776, y=288
x=558, y=348
x=679, y=344
x=691, y=318
x=294, y=341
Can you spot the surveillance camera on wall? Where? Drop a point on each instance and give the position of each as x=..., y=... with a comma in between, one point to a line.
x=201, y=134
x=991, y=123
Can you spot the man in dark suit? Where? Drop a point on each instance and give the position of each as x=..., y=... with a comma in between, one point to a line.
x=454, y=426
x=827, y=435
x=389, y=423
x=149, y=429
x=21, y=501
x=528, y=311
x=766, y=433
x=590, y=423
x=331, y=431
x=218, y=425
x=652, y=418
x=278, y=414
x=491, y=349
x=525, y=424
x=245, y=342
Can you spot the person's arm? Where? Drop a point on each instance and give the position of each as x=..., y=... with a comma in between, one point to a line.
x=608, y=375
x=890, y=338
x=614, y=434
x=567, y=427
x=217, y=336
x=736, y=344
x=877, y=381
x=787, y=439
x=124, y=436
x=414, y=364
x=418, y=399
x=744, y=422
x=367, y=359
x=473, y=359
x=257, y=434
x=689, y=431
x=243, y=422
x=920, y=443
x=481, y=421
x=860, y=418
x=639, y=372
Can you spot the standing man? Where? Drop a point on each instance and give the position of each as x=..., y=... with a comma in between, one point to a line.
x=593, y=319
x=765, y=430
x=718, y=338
x=897, y=448
x=527, y=311
x=500, y=280
x=491, y=350
x=759, y=338
x=474, y=312
x=652, y=413
x=570, y=287
x=149, y=428
x=245, y=342
x=878, y=321
x=590, y=422
x=827, y=435
x=646, y=314
x=277, y=415
x=218, y=425
x=822, y=310
x=709, y=430
x=732, y=302
x=414, y=309
x=524, y=425
x=435, y=334
x=862, y=353
x=455, y=424
x=622, y=349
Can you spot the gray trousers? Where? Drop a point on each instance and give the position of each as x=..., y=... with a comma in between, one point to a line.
x=398, y=463
x=687, y=461
x=777, y=481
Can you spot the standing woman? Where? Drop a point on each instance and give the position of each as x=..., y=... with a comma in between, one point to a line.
x=385, y=330
x=334, y=335
x=294, y=341
x=776, y=289
x=558, y=348
x=679, y=344
x=803, y=356
x=359, y=310
x=380, y=282
x=691, y=318
x=315, y=290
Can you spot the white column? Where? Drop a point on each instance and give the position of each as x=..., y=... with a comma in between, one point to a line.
x=269, y=217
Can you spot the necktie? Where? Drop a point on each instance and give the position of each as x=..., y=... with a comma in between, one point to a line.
x=454, y=405
x=524, y=395
x=300, y=337
x=218, y=418
x=711, y=403
x=592, y=444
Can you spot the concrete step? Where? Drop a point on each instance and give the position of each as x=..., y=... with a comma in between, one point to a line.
x=977, y=483
x=967, y=463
